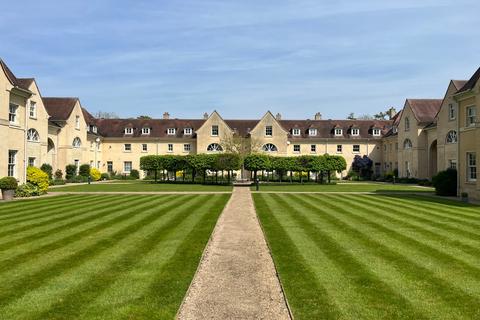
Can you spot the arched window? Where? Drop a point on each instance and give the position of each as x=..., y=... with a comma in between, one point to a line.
x=269, y=147
x=407, y=144
x=452, y=136
x=214, y=147
x=407, y=124
x=77, y=143
x=32, y=135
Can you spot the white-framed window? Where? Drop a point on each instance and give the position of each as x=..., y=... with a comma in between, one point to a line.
x=145, y=130
x=214, y=147
x=214, y=131
x=355, y=131
x=471, y=116
x=98, y=164
x=269, y=147
x=32, y=110
x=109, y=166
x=76, y=162
x=451, y=137
x=296, y=148
x=127, y=166
x=452, y=112
x=339, y=148
x=128, y=130
x=268, y=131
x=452, y=164
x=356, y=148
x=91, y=163
x=144, y=147
x=407, y=144
x=32, y=135
x=338, y=132
x=12, y=163
x=170, y=147
x=77, y=143
x=376, y=132
x=127, y=147
x=187, y=147
x=12, y=113
x=296, y=132
x=77, y=122
x=93, y=128
x=31, y=161
x=312, y=132
x=171, y=131
x=187, y=131
x=471, y=166
x=313, y=148
x=407, y=124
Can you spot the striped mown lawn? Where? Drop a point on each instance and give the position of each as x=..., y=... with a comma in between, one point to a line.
x=102, y=256
x=374, y=256
x=343, y=187
x=140, y=186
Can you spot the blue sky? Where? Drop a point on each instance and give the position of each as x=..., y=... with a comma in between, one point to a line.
x=242, y=57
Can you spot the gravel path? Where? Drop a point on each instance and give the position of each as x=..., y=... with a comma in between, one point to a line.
x=236, y=278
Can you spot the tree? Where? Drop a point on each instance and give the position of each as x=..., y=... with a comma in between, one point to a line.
x=365, y=117
x=255, y=162
x=363, y=166
x=351, y=116
x=144, y=117
x=242, y=146
x=106, y=115
x=380, y=116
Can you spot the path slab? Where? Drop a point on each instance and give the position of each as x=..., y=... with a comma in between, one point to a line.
x=236, y=278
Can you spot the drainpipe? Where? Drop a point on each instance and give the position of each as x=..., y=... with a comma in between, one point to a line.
x=25, y=129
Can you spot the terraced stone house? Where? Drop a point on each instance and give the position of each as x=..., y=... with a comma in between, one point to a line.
x=426, y=136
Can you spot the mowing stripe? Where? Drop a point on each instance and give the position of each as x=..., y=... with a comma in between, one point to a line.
x=24, y=208
x=450, y=214
x=74, y=303
x=17, y=227
x=63, y=239
x=119, y=246
x=443, y=258
x=300, y=290
x=467, y=209
x=434, y=230
x=44, y=210
x=38, y=234
x=18, y=207
x=373, y=289
x=466, y=303
x=21, y=286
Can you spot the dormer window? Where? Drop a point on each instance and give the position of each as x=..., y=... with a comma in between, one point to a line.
x=376, y=132
x=171, y=131
x=93, y=128
x=355, y=132
x=338, y=132
x=145, y=130
x=128, y=130
x=296, y=132
x=312, y=132
x=187, y=131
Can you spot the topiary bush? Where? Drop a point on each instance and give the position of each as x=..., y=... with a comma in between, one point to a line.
x=95, y=174
x=58, y=174
x=104, y=176
x=47, y=169
x=84, y=170
x=135, y=174
x=8, y=183
x=70, y=171
x=445, y=183
x=38, y=178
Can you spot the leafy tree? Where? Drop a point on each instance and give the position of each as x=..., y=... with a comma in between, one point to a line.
x=143, y=117
x=106, y=115
x=84, y=170
x=351, y=116
x=47, y=169
x=255, y=162
x=362, y=166
x=70, y=171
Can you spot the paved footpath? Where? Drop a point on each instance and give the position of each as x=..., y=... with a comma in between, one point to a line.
x=236, y=278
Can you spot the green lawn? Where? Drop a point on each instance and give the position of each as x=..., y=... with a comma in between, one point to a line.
x=374, y=256
x=343, y=187
x=140, y=187
x=102, y=256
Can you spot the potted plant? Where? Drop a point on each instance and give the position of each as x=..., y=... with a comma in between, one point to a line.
x=8, y=185
x=464, y=196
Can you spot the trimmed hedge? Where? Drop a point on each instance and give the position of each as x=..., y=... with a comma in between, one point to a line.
x=445, y=183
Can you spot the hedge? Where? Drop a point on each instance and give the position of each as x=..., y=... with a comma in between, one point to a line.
x=445, y=183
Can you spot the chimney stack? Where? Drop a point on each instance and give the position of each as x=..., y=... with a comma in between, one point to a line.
x=391, y=113
x=205, y=116
x=278, y=116
x=166, y=115
x=318, y=116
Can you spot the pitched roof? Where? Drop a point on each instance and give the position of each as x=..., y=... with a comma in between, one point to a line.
x=425, y=110
x=89, y=119
x=471, y=82
x=459, y=83
x=20, y=83
x=59, y=108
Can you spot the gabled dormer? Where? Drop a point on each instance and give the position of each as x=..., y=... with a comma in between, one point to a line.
x=354, y=131
x=337, y=131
